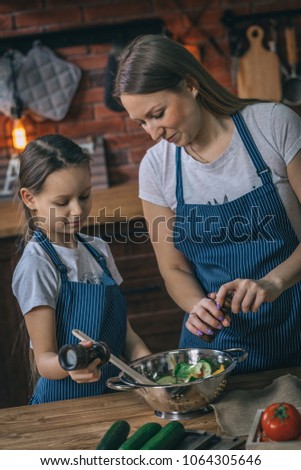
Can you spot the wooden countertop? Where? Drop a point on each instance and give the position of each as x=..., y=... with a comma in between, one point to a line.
x=79, y=424
x=108, y=205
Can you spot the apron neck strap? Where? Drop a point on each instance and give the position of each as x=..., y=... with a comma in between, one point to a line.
x=262, y=169
x=51, y=252
x=179, y=183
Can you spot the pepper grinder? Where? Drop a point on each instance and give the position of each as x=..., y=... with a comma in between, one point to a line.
x=225, y=309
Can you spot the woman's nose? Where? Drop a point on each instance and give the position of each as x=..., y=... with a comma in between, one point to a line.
x=154, y=131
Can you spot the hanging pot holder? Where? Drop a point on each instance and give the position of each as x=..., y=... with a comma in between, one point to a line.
x=46, y=83
x=6, y=85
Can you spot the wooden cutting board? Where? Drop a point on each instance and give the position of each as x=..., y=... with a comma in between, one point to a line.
x=258, y=73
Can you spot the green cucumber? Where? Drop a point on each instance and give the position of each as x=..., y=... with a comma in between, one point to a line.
x=203, y=365
x=141, y=436
x=167, y=380
x=169, y=436
x=114, y=436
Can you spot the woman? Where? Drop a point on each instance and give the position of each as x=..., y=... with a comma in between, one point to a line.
x=221, y=195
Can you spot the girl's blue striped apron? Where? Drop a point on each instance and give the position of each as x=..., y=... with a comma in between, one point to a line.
x=99, y=310
x=243, y=238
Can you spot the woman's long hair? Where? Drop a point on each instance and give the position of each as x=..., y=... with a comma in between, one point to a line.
x=153, y=63
x=41, y=157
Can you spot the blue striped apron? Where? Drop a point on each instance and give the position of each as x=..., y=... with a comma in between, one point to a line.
x=99, y=310
x=243, y=238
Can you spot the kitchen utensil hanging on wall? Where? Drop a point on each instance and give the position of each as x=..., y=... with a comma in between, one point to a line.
x=258, y=73
x=197, y=49
x=109, y=77
x=273, y=46
x=6, y=83
x=235, y=52
x=292, y=84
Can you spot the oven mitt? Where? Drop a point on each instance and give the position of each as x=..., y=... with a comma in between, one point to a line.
x=6, y=85
x=47, y=83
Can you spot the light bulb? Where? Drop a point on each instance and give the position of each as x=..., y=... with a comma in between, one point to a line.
x=19, y=135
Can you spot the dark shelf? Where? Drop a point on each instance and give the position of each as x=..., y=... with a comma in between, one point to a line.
x=230, y=19
x=109, y=33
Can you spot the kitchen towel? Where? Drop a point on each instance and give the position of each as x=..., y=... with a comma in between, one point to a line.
x=236, y=410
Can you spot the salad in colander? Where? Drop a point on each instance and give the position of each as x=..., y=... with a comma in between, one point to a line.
x=183, y=372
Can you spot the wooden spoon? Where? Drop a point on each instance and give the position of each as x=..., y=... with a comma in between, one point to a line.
x=140, y=379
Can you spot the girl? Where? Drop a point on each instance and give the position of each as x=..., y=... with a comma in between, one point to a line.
x=63, y=281
x=227, y=171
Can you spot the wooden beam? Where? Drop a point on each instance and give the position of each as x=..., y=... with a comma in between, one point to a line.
x=108, y=33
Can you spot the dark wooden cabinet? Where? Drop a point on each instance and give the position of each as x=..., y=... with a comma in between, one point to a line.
x=14, y=364
x=152, y=313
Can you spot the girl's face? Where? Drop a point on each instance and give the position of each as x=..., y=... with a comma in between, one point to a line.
x=63, y=205
x=175, y=117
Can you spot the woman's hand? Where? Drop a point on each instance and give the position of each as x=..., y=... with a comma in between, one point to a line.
x=249, y=294
x=89, y=374
x=204, y=317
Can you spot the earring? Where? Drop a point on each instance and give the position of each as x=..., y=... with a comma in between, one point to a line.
x=195, y=92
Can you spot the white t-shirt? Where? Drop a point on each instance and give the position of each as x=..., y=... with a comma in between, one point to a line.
x=36, y=281
x=276, y=130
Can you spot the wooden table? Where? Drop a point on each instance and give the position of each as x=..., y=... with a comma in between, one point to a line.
x=79, y=424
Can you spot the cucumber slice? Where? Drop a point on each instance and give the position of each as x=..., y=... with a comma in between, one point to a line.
x=202, y=366
x=207, y=369
x=167, y=380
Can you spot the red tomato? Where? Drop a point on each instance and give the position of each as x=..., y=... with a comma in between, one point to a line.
x=264, y=437
x=281, y=422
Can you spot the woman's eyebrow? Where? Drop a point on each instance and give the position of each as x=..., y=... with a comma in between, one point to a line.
x=148, y=113
x=154, y=110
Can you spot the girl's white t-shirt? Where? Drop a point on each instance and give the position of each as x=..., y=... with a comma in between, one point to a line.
x=36, y=281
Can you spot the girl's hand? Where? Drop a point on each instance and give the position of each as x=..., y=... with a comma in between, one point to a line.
x=249, y=294
x=89, y=374
x=205, y=316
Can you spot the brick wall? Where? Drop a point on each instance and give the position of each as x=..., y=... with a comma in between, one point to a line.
x=88, y=115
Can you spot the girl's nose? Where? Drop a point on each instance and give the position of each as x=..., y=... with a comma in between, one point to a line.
x=76, y=208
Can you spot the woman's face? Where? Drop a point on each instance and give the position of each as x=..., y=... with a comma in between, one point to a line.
x=173, y=116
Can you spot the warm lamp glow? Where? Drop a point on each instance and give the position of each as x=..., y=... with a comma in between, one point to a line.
x=19, y=135
x=194, y=50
